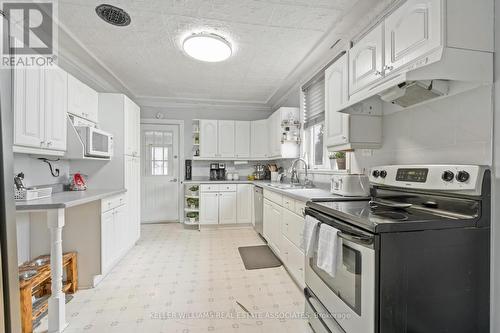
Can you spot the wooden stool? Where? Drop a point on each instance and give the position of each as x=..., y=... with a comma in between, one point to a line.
x=39, y=286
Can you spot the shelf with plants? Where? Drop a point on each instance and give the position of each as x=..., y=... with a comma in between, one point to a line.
x=192, y=218
x=196, y=137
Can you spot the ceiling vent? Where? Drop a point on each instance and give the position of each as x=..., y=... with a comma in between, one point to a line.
x=113, y=15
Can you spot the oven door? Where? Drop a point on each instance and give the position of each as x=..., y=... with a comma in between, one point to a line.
x=350, y=296
x=99, y=143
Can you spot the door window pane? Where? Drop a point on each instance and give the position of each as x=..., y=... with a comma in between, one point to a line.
x=158, y=149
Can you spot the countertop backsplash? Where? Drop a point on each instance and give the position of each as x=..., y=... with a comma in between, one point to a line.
x=36, y=172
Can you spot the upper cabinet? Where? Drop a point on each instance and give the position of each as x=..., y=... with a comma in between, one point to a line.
x=259, y=146
x=82, y=100
x=411, y=31
x=132, y=127
x=284, y=133
x=209, y=138
x=366, y=60
x=336, y=94
x=242, y=139
x=226, y=138
x=40, y=102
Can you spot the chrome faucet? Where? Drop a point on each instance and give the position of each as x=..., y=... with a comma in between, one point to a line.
x=294, y=177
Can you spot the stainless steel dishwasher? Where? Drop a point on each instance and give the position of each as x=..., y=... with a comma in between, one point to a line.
x=258, y=207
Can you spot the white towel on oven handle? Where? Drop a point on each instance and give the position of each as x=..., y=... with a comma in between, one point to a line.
x=329, y=249
x=309, y=235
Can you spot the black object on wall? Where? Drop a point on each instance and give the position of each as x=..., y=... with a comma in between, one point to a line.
x=188, y=169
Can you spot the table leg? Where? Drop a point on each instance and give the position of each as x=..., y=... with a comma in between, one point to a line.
x=57, y=300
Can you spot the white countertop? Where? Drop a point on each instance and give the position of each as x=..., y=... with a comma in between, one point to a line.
x=66, y=199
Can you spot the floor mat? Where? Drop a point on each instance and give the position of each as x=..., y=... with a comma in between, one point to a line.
x=257, y=257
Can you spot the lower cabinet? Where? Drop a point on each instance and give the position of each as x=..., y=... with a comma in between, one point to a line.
x=226, y=203
x=117, y=235
x=283, y=229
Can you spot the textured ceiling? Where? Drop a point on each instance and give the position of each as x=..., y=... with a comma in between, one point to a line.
x=270, y=38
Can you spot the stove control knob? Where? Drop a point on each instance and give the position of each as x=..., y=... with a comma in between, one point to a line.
x=448, y=176
x=463, y=176
x=383, y=173
x=376, y=173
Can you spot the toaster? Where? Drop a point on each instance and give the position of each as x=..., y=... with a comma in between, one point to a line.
x=350, y=185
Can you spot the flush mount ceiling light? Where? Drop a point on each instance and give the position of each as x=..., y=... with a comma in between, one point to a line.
x=207, y=47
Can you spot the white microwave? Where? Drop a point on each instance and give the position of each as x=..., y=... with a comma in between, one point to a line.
x=97, y=143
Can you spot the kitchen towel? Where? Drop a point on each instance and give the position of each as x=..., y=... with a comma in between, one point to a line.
x=309, y=235
x=329, y=249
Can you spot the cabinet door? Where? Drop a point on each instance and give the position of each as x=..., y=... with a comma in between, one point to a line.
x=227, y=207
x=244, y=204
x=107, y=240
x=132, y=184
x=260, y=144
x=274, y=134
x=412, y=31
x=132, y=128
x=336, y=95
x=276, y=234
x=242, y=139
x=208, y=138
x=121, y=230
x=29, y=119
x=209, y=208
x=225, y=141
x=56, y=103
x=82, y=100
x=365, y=60
x=267, y=220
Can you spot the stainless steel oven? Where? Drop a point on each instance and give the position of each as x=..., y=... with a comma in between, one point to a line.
x=349, y=297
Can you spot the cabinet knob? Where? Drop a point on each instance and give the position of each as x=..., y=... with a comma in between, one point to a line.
x=378, y=73
x=49, y=143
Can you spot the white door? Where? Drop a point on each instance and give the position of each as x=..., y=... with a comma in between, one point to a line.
x=365, y=60
x=28, y=108
x=160, y=173
x=121, y=229
x=336, y=95
x=242, y=139
x=413, y=30
x=133, y=194
x=209, y=208
x=208, y=138
x=56, y=104
x=244, y=203
x=107, y=239
x=260, y=144
x=276, y=234
x=267, y=224
x=225, y=141
x=227, y=207
x=132, y=127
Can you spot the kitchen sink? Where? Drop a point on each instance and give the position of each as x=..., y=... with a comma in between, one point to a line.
x=290, y=186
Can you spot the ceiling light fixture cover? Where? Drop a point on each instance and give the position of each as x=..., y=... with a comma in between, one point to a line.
x=207, y=47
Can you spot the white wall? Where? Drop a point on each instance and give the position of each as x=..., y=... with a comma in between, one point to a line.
x=37, y=172
x=201, y=112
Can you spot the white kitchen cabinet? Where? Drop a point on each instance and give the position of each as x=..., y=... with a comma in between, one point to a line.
x=411, y=31
x=259, y=138
x=115, y=234
x=209, y=208
x=292, y=226
x=107, y=240
x=82, y=100
x=209, y=138
x=276, y=235
x=241, y=139
x=336, y=95
x=122, y=232
x=40, y=101
x=366, y=60
x=132, y=127
x=56, y=102
x=227, y=207
x=29, y=122
x=133, y=196
x=294, y=260
x=244, y=203
x=274, y=134
x=267, y=228
x=226, y=138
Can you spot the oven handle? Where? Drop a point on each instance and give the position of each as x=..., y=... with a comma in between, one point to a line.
x=362, y=240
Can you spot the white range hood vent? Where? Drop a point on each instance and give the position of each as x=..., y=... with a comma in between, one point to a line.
x=447, y=71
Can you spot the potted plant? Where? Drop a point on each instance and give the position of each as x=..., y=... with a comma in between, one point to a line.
x=339, y=159
x=192, y=202
x=192, y=216
x=194, y=189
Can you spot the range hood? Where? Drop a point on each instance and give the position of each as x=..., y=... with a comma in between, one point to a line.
x=445, y=72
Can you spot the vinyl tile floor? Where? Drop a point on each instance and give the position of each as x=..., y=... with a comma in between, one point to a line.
x=182, y=280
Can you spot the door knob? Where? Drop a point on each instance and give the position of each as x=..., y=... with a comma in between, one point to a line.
x=173, y=180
